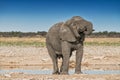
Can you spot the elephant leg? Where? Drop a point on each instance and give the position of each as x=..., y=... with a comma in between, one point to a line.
x=66, y=56
x=79, y=55
x=54, y=59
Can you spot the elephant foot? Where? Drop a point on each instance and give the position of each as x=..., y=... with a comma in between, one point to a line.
x=78, y=72
x=56, y=73
x=64, y=73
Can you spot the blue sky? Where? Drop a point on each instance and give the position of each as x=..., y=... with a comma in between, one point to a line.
x=40, y=15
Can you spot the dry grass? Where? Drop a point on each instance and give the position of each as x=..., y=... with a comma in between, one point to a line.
x=15, y=41
x=103, y=41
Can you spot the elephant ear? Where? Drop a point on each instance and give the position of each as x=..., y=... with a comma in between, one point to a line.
x=66, y=34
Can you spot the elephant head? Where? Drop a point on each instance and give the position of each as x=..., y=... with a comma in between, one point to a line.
x=73, y=28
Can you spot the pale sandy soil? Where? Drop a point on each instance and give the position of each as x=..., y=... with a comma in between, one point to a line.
x=33, y=58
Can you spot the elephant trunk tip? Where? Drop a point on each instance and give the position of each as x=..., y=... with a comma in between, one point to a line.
x=93, y=30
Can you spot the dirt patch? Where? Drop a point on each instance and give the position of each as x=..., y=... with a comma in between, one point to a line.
x=33, y=58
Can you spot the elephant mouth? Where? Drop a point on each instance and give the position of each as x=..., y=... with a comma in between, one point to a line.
x=82, y=30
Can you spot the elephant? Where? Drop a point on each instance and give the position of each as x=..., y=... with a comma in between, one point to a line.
x=65, y=37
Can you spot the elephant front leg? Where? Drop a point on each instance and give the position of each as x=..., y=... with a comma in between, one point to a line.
x=79, y=55
x=54, y=59
x=66, y=55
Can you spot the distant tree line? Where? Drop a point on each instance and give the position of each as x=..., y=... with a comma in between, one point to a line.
x=23, y=34
x=104, y=34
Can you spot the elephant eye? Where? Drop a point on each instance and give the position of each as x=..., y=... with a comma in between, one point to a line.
x=85, y=28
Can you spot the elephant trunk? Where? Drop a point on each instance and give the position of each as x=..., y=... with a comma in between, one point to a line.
x=89, y=29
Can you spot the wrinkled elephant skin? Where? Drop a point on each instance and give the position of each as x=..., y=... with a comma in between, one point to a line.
x=65, y=37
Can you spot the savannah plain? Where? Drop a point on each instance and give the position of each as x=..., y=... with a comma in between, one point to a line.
x=31, y=54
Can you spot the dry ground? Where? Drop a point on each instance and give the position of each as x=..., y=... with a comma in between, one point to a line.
x=96, y=57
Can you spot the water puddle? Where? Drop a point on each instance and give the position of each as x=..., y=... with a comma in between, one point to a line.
x=50, y=71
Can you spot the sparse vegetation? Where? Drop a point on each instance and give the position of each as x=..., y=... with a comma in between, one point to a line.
x=102, y=41
x=40, y=42
x=23, y=34
x=15, y=41
x=104, y=34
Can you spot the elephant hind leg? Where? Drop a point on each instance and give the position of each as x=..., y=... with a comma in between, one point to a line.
x=54, y=59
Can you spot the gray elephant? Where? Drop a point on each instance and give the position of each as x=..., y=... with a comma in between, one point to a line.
x=65, y=37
